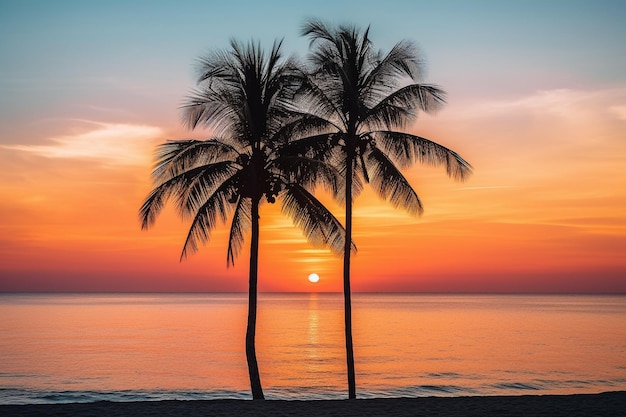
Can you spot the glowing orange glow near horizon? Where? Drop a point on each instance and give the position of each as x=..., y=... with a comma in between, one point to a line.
x=524, y=215
x=526, y=221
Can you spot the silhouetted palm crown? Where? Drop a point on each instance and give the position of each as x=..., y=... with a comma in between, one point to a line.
x=241, y=99
x=360, y=100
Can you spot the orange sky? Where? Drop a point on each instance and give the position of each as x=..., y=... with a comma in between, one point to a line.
x=543, y=211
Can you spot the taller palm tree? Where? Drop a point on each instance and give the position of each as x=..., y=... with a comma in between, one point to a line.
x=241, y=99
x=359, y=101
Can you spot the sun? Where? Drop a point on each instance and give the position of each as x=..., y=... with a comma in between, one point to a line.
x=314, y=278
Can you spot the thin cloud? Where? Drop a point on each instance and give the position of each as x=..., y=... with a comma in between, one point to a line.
x=619, y=111
x=486, y=187
x=570, y=104
x=120, y=144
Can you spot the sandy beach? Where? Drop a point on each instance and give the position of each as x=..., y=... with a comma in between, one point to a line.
x=609, y=404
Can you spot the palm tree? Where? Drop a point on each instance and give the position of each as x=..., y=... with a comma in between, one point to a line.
x=359, y=100
x=241, y=99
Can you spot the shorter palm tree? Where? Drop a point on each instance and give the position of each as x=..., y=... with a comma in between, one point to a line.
x=233, y=173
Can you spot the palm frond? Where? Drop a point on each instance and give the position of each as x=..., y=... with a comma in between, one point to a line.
x=321, y=95
x=175, y=157
x=174, y=186
x=217, y=205
x=401, y=61
x=390, y=184
x=317, y=30
x=401, y=106
x=407, y=149
x=302, y=125
x=211, y=108
x=214, y=66
x=319, y=225
x=357, y=179
x=153, y=204
x=240, y=225
x=308, y=172
x=274, y=72
x=188, y=188
x=316, y=146
x=200, y=183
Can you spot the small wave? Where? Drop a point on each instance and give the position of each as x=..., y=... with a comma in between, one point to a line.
x=441, y=389
x=438, y=375
x=418, y=391
x=523, y=386
x=18, y=396
x=305, y=393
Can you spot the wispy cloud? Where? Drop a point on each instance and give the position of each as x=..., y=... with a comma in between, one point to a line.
x=619, y=111
x=486, y=187
x=569, y=104
x=111, y=143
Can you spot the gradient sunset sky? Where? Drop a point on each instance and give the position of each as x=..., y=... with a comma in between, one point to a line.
x=536, y=103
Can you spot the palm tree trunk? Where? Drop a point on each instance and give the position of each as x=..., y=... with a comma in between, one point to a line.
x=346, y=279
x=253, y=367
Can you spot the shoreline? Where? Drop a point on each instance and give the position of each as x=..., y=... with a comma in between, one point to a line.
x=607, y=404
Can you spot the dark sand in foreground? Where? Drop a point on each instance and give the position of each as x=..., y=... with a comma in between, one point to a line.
x=610, y=404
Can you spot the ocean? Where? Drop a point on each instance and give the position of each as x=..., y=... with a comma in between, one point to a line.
x=57, y=348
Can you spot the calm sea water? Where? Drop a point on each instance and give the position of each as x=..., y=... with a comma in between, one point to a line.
x=123, y=347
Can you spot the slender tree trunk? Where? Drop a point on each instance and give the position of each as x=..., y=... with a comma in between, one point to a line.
x=253, y=367
x=346, y=278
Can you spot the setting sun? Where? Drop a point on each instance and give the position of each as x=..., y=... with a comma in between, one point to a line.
x=314, y=278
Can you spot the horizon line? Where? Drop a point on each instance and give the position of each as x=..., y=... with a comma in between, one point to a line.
x=326, y=292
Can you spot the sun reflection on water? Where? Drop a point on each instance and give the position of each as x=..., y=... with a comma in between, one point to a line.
x=313, y=319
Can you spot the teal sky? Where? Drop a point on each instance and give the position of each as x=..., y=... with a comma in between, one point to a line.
x=124, y=55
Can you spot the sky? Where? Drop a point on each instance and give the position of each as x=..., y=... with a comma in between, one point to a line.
x=536, y=103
